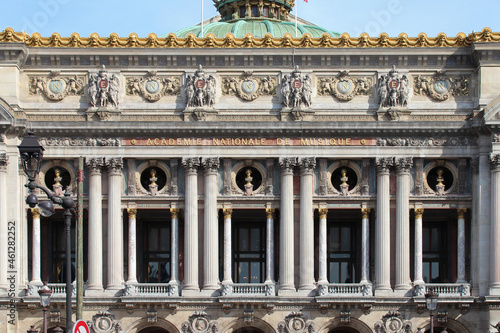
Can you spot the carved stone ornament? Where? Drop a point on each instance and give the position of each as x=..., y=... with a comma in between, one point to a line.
x=345, y=87
x=427, y=142
x=200, y=322
x=295, y=322
x=393, y=89
x=440, y=86
x=55, y=87
x=92, y=142
x=104, y=322
x=393, y=323
x=296, y=89
x=200, y=90
x=249, y=87
x=103, y=90
x=4, y=161
x=152, y=87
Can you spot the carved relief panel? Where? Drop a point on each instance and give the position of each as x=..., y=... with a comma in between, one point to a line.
x=441, y=86
x=153, y=87
x=345, y=87
x=56, y=86
x=249, y=87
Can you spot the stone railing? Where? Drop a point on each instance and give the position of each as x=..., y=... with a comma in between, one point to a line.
x=345, y=289
x=256, y=289
x=151, y=289
x=443, y=289
x=58, y=289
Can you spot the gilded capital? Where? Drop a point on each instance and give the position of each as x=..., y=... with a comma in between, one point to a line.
x=227, y=212
x=365, y=213
x=35, y=212
x=132, y=213
x=419, y=212
x=174, y=212
x=323, y=212
x=270, y=213
x=461, y=213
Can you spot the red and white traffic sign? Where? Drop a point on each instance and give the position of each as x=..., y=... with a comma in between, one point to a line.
x=80, y=327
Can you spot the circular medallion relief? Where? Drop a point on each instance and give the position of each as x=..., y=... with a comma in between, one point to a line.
x=248, y=86
x=56, y=86
x=152, y=86
x=296, y=84
x=393, y=325
x=393, y=84
x=296, y=324
x=441, y=86
x=103, y=84
x=200, y=324
x=199, y=84
x=345, y=86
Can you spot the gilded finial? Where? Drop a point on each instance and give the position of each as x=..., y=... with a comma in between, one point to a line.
x=440, y=178
x=153, y=178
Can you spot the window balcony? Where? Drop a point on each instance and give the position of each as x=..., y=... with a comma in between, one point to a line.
x=345, y=289
x=151, y=289
x=444, y=289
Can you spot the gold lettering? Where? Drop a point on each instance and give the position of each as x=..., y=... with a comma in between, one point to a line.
x=187, y=142
x=321, y=142
x=163, y=142
x=333, y=142
x=244, y=142
x=304, y=142
x=344, y=85
x=157, y=142
x=198, y=141
x=179, y=141
x=149, y=143
x=348, y=141
x=171, y=142
x=248, y=85
x=287, y=142
x=263, y=141
x=223, y=142
x=216, y=142
x=238, y=141
x=341, y=142
x=440, y=85
x=251, y=142
x=279, y=141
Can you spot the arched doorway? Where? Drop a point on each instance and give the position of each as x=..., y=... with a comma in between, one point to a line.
x=441, y=329
x=343, y=330
x=248, y=329
x=153, y=329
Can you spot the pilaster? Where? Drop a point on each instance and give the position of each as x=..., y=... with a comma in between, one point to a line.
x=4, y=161
x=323, y=276
x=461, y=245
x=174, y=261
x=270, y=212
x=132, y=246
x=365, y=245
x=36, y=249
x=228, y=275
x=495, y=225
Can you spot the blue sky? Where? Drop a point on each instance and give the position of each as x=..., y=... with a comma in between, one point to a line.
x=165, y=16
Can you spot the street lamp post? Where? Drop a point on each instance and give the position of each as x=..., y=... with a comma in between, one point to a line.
x=431, y=299
x=31, y=156
x=45, y=294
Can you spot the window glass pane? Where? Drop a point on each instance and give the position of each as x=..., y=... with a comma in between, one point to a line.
x=153, y=272
x=426, y=239
x=255, y=239
x=435, y=272
x=153, y=239
x=426, y=271
x=345, y=239
x=334, y=272
x=243, y=272
x=164, y=273
x=164, y=239
x=344, y=272
x=243, y=240
x=435, y=240
x=255, y=272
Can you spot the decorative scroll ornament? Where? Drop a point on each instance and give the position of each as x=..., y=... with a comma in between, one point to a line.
x=427, y=142
x=296, y=89
x=344, y=87
x=393, y=89
x=103, y=91
x=248, y=87
x=393, y=323
x=104, y=322
x=200, y=90
x=152, y=87
x=91, y=142
x=440, y=86
x=200, y=322
x=295, y=322
x=55, y=87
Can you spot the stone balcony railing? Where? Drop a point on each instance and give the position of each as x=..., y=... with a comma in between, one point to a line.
x=151, y=289
x=58, y=289
x=345, y=289
x=254, y=289
x=444, y=289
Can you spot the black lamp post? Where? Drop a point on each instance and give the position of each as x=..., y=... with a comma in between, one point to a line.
x=45, y=294
x=32, y=330
x=431, y=298
x=31, y=156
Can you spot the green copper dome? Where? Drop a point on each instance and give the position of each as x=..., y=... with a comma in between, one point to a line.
x=256, y=17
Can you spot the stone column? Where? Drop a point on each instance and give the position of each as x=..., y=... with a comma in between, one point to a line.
x=228, y=248
x=365, y=245
x=36, y=249
x=270, y=246
x=306, y=284
x=211, y=230
x=495, y=225
x=174, y=249
x=132, y=246
x=191, y=286
x=95, y=253
x=323, y=262
x=287, y=283
x=4, y=159
x=115, y=224
x=403, y=166
x=461, y=245
x=474, y=262
x=483, y=213
x=418, y=279
x=382, y=229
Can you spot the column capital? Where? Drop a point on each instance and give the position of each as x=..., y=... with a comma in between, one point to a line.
x=211, y=164
x=4, y=161
x=174, y=212
x=419, y=212
x=384, y=163
x=114, y=164
x=403, y=164
x=132, y=212
x=461, y=212
x=35, y=212
x=287, y=163
x=474, y=165
x=323, y=212
x=227, y=213
x=495, y=162
x=191, y=164
x=365, y=212
x=94, y=163
x=307, y=164
x=270, y=213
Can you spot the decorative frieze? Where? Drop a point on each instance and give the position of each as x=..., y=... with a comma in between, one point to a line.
x=440, y=86
x=55, y=86
x=153, y=87
x=200, y=90
x=296, y=89
x=427, y=142
x=93, y=142
x=393, y=89
x=249, y=87
x=103, y=90
x=345, y=87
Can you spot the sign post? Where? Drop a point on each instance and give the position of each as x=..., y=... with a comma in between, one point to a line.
x=80, y=327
